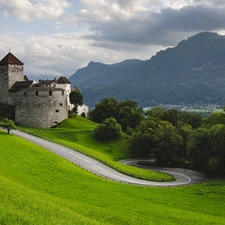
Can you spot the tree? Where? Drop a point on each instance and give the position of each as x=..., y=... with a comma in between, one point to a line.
x=199, y=149
x=105, y=109
x=216, y=163
x=176, y=117
x=194, y=119
x=141, y=144
x=129, y=114
x=215, y=118
x=7, y=124
x=108, y=129
x=172, y=116
x=76, y=98
x=142, y=141
x=169, y=148
x=156, y=112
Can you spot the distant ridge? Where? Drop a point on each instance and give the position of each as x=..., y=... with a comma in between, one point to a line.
x=192, y=72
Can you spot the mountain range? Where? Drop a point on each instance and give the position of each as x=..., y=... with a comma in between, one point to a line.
x=193, y=72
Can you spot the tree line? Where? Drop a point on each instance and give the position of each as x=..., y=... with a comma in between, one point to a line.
x=172, y=137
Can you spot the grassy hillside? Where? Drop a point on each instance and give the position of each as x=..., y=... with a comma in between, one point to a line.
x=38, y=187
x=77, y=133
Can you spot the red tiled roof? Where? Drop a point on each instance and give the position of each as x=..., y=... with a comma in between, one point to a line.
x=10, y=59
x=63, y=80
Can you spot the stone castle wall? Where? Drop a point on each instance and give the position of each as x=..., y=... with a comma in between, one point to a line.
x=40, y=109
x=9, y=74
x=15, y=73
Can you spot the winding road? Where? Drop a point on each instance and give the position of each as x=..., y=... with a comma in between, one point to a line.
x=183, y=177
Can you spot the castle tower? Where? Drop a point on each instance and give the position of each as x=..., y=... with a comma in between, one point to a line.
x=11, y=71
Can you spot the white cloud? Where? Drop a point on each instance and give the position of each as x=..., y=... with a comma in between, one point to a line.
x=63, y=54
x=112, y=30
x=27, y=10
x=149, y=22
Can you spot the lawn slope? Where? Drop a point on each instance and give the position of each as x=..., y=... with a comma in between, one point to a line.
x=39, y=187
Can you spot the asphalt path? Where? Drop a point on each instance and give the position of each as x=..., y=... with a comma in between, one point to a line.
x=183, y=177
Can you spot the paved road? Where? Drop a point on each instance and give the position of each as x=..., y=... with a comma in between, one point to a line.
x=100, y=169
x=182, y=175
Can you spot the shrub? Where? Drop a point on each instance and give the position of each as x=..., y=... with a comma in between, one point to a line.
x=109, y=129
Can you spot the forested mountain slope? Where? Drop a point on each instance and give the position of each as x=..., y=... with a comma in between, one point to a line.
x=192, y=72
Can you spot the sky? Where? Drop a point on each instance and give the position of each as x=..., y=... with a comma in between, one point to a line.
x=57, y=37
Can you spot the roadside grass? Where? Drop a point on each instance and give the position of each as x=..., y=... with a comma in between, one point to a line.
x=39, y=187
x=78, y=133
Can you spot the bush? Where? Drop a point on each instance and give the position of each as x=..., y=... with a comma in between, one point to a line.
x=109, y=129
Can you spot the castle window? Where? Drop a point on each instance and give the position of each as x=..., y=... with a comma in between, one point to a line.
x=36, y=92
x=25, y=93
x=57, y=110
x=50, y=93
x=61, y=104
x=62, y=93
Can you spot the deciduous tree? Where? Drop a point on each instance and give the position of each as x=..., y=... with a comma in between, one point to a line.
x=7, y=124
x=105, y=109
x=108, y=129
x=76, y=98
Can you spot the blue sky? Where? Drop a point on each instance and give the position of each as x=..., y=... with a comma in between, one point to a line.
x=57, y=37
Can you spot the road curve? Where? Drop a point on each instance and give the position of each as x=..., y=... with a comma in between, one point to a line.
x=181, y=175
x=102, y=170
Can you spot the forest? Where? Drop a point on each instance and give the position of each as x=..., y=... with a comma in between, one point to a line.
x=174, y=138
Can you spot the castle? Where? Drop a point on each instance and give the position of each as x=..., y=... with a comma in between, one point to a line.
x=43, y=104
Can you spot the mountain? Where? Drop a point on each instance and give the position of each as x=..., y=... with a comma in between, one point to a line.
x=192, y=72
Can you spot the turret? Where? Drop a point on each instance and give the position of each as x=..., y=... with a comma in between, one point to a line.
x=11, y=71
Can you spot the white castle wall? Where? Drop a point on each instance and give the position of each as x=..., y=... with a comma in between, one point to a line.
x=67, y=88
x=82, y=110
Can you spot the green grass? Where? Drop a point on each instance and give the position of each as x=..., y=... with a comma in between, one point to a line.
x=39, y=187
x=77, y=133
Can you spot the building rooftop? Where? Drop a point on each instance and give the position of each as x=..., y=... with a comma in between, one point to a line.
x=34, y=88
x=10, y=59
x=75, y=88
x=44, y=82
x=63, y=80
x=20, y=85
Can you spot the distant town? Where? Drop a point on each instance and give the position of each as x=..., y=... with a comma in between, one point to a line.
x=199, y=108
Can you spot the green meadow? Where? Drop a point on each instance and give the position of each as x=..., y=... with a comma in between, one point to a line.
x=39, y=187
